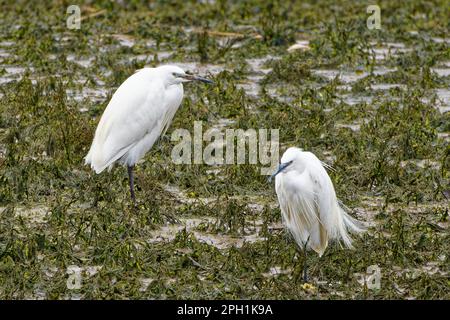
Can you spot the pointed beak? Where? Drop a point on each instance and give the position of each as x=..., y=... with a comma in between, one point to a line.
x=197, y=78
x=281, y=167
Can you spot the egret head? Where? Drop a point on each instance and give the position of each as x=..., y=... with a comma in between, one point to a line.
x=176, y=75
x=288, y=161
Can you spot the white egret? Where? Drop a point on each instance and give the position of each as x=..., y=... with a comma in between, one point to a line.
x=139, y=112
x=308, y=203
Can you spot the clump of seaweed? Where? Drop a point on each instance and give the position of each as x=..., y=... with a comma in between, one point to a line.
x=368, y=102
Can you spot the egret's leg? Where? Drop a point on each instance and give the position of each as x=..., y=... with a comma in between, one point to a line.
x=131, y=181
x=305, y=267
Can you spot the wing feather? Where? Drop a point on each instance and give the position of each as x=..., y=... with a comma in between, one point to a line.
x=136, y=108
x=334, y=218
x=300, y=211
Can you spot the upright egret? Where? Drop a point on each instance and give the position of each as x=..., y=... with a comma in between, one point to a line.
x=309, y=207
x=139, y=112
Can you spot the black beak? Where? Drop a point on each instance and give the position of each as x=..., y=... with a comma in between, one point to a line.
x=281, y=167
x=197, y=78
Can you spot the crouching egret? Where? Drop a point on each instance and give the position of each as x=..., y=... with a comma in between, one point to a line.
x=309, y=207
x=139, y=112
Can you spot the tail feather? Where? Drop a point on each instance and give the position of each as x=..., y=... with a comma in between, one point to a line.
x=98, y=164
x=349, y=224
x=352, y=224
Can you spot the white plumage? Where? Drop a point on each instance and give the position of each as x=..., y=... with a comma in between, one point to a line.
x=308, y=202
x=141, y=108
x=140, y=111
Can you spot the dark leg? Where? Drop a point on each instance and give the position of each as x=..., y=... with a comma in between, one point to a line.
x=131, y=181
x=305, y=266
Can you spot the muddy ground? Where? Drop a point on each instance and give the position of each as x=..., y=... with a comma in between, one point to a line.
x=374, y=104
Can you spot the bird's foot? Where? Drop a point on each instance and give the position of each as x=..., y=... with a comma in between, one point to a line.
x=133, y=205
x=305, y=278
